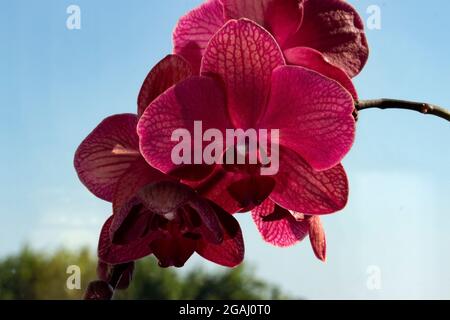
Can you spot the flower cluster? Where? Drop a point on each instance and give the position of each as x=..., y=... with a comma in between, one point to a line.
x=237, y=64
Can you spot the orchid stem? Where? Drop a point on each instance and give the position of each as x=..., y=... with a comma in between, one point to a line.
x=424, y=108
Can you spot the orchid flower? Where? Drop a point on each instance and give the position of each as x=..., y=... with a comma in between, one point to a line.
x=323, y=35
x=245, y=83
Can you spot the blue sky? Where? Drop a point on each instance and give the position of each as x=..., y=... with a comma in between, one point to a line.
x=56, y=85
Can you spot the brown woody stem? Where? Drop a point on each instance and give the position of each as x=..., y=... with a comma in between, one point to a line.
x=424, y=108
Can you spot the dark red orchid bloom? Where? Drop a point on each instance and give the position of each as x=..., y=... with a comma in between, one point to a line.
x=110, y=165
x=171, y=221
x=323, y=35
x=246, y=83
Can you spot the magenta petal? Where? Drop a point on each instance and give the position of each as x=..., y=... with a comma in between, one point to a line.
x=317, y=237
x=278, y=226
x=107, y=153
x=168, y=72
x=314, y=115
x=281, y=17
x=284, y=18
x=243, y=55
x=194, y=30
x=302, y=189
x=195, y=99
x=334, y=28
x=230, y=252
x=314, y=60
x=255, y=10
x=192, y=172
x=117, y=254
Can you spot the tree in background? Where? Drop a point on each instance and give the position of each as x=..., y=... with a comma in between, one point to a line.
x=35, y=275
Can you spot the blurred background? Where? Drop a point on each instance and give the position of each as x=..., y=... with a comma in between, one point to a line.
x=38, y=275
x=57, y=84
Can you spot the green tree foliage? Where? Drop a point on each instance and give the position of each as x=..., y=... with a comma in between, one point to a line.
x=35, y=275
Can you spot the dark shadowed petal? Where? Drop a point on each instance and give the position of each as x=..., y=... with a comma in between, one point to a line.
x=215, y=188
x=138, y=175
x=314, y=60
x=173, y=249
x=334, y=28
x=313, y=114
x=278, y=226
x=252, y=191
x=104, y=271
x=243, y=55
x=235, y=191
x=125, y=275
x=107, y=153
x=302, y=189
x=317, y=237
x=118, y=276
x=211, y=230
x=193, y=100
x=194, y=30
x=165, y=197
x=131, y=223
x=168, y=72
x=281, y=17
x=230, y=252
x=118, y=254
